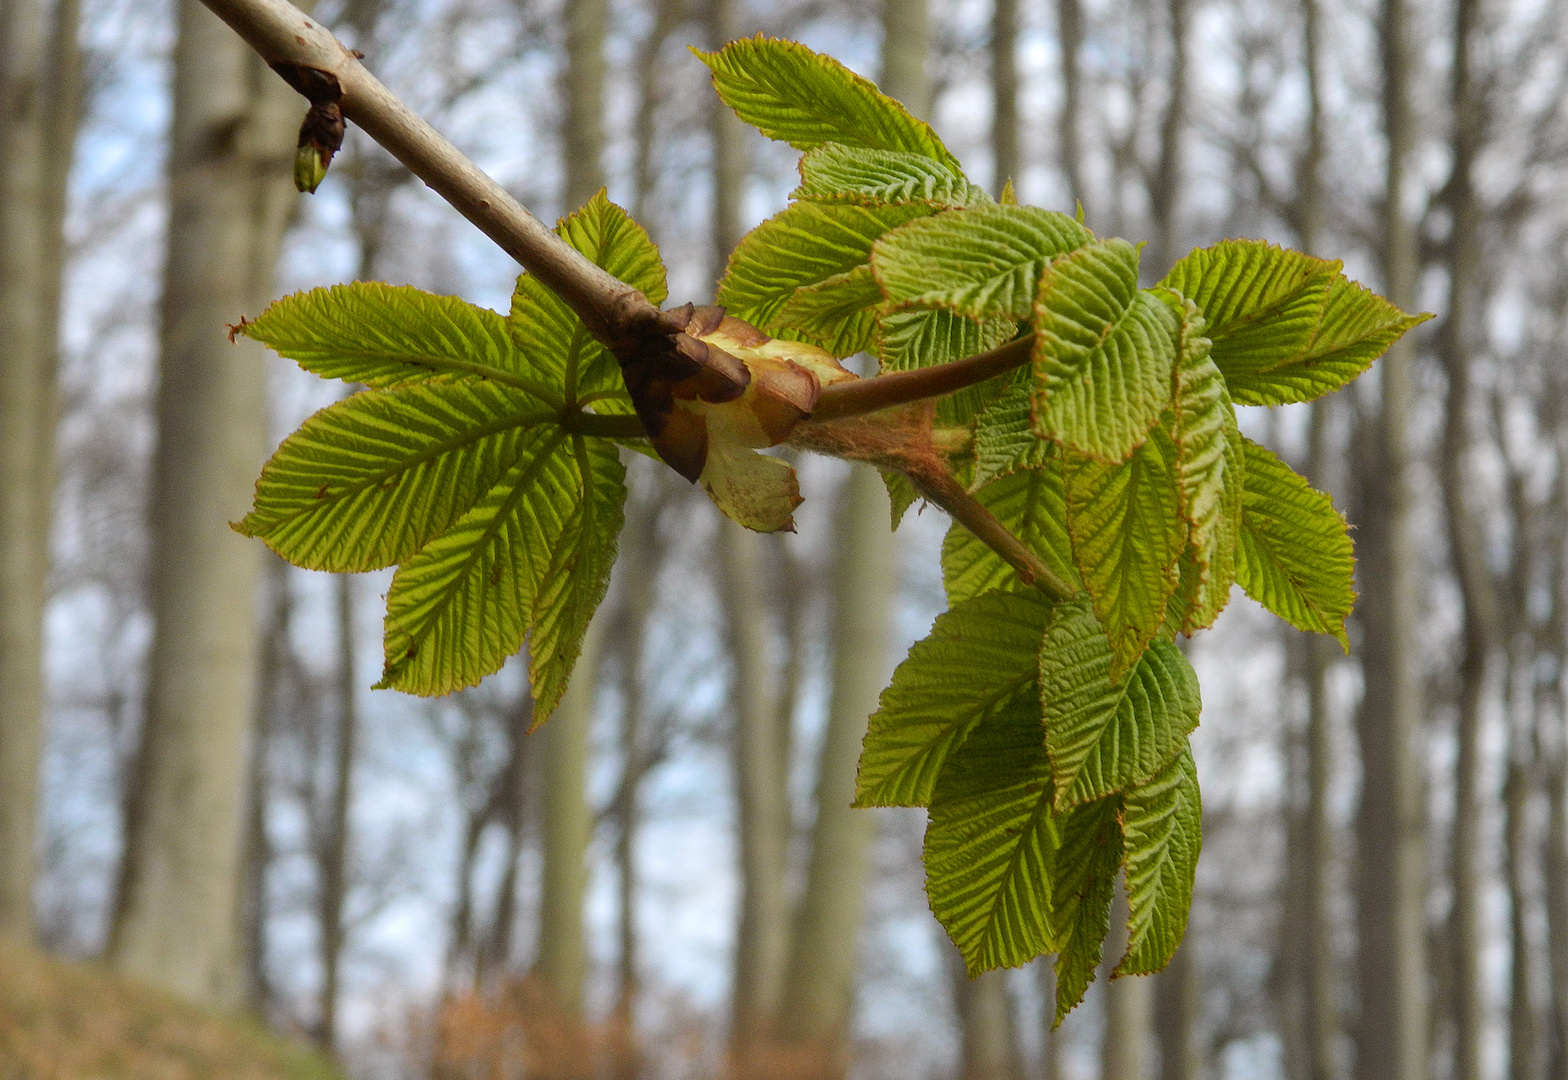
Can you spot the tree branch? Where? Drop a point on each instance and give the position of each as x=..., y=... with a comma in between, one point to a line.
x=613, y=311
x=903, y=387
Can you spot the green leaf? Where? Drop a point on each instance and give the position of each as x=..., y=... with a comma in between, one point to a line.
x=980, y=656
x=805, y=244
x=1031, y=504
x=1162, y=824
x=1262, y=303
x=1108, y=735
x=1005, y=440
x=978, y=262
x=1286, y=327
x=1357, y=327
x=393, y=335
x=1103, y=352
x=991, y=843
x=1083, y=881
x=901, y=494
x=806, y=99
x=1207, y=469
x=839, y=313
x=835, y=173
x=549, y=334
x=366, y=482
x=531, y=558
x=1295, y=556
x=1127, y=534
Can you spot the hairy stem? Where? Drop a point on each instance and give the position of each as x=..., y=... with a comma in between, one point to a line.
x=903, y=387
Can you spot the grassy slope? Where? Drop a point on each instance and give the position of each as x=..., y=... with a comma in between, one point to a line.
x=62, y=1021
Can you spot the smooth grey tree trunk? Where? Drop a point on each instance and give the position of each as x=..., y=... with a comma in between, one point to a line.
x=1164, y=183
x=1177, y=1009
x=988, y=1036
x=1004, y=93
x=230, y=193
x=333, y=858
x=1069, y=31
x=39, y=83
x=1391, y=878
x=1129, y=1007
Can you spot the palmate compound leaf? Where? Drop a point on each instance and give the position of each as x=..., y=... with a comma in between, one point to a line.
x=978, y=262
x=981, y=657
x=1162, y=827
x=551, y=337
x=531, y=560
x=1208, y=472
x=1108, y=735
x=1127, y=536
x=392, y=335
x=366, y=482
x=1286, y=327
x=1009, y=878
x=1030, y=503
x=806, y=99
x=1295, y=556
x=1103, y=352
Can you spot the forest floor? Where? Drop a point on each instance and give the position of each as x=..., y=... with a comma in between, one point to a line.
x=68, y=1021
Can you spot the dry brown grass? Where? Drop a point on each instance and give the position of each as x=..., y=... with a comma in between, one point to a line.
x=62, y=1021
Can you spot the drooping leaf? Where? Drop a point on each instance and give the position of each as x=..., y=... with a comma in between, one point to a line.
x=1127, y=534
x=549, y=334
x=901, y=495
x=1162, y=826
x=366, y=482
x=1031, y=504
x=1295, y=556
x=1005, y=440
x=806, y=99
x=1103, y=735
x=1207, y=469
x=991, y=843
x=391, y=335
x=980, y=656
x=805, y=244
x=1083, y=880
x=1357, y=327
x=1103, y=352
x=531, y=559
x=978, y=262
x=836, y=173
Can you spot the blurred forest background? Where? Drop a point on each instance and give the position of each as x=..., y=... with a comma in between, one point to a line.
x=197, y=787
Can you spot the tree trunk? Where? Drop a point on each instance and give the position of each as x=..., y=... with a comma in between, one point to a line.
x=38, y=104
x=1069, y=30
x=1556, y=866
x=985, y=1022
x=1177, y=1008
x=1467, y=550
x=1391, y=886
x=582, y=132
x=1129, y=1007
x=230, y=190
x=1523, y=1038
x=1050, y=1042
x=332, y=876
x=271, y=701
x=819, y=986
x=1165, y=185
x=1004, y=93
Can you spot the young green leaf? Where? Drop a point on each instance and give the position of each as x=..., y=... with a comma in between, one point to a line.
x=835, y=173
x=1207, y=469
x=1103, y=352
x=392, y=335
x=980, y=656
x=806, y=99
x=979, y=262
x=1031, y=504
x=1162, y=824
x=839, y=313
x=1082, y=882
x=909, y=338
x=806, y=244
x=366, y=482
x=1127, y=534
x=1103, y=735
x=1357, y=327
x=1005, y=440
x=901, y=495
x=531, y=559
x=549, y=334
x=1295, y=556
x=991, y=843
